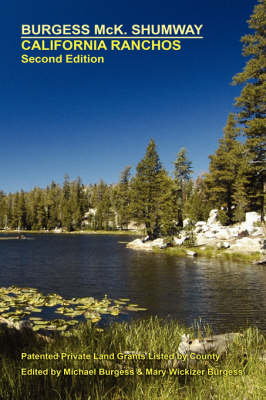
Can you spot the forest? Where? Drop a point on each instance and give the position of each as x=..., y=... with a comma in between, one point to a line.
x=160, y=200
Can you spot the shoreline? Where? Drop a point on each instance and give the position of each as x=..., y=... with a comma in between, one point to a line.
x=99, y=232
x=210, y=252
x=193, y=252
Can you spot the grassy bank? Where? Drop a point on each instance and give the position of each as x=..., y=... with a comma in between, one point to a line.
x=152, y=336
x=211, y=252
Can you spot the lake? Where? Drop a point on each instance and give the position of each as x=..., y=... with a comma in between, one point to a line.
x=226, y=295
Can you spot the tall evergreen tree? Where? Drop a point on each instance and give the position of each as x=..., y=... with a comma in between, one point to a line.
x=182, y=175
x=53, y=202
x=146, y=191
x=167, y=210
x=15, y=211
x=122, y=198
x=101, y=201
x=252, y=102
x=240, y=187
x=76, y=203
x=66, y=212
x=197, y=207
x=3, y=210
x=22, y=215
x=223, y=170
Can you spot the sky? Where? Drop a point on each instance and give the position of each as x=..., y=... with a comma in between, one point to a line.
x=92, y=120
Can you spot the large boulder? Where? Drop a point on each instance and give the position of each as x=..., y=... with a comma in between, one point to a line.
x=200, y=223
x=138, y=244
x=213, y=344
x=223, y=234
x=223, y=245
x=158, y=243
x=201, y=240
x=246, y=245
x=252, y=217
x=213, y=217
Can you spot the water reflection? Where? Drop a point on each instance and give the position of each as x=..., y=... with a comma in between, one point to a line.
x=226, y=295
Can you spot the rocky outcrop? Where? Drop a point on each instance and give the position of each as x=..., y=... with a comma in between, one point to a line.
x=245, y=237
x=139, y=244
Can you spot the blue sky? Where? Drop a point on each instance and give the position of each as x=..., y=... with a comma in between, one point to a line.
x=93, y=120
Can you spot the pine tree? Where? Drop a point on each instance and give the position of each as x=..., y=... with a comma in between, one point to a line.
x=53, y=201
x=3, y=210
x=167, y=210
x=122, y=198
x=146, y=191
x=66, y=212
x=223, y=170
x=76, y=202
x=22, y=214
x=198, y=206
x=101, y=200
x=15, y=211
x=240, y=186
x=182, y=174
x=252, y=101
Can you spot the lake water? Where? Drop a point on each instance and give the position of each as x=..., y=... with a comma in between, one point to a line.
x=226, y=295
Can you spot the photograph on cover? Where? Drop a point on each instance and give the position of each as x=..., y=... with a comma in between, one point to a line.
x=132, y=200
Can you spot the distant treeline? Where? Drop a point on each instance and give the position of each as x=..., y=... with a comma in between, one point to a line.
x=155, y=199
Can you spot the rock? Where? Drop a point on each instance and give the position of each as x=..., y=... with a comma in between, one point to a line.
x=263, y=244
x=223, y=245
x=145, y=239
x=258, y=231
x=213, y=217
x=252, y=217
x=198, y=229
x=202, y=240
x=249, y=224
x=213, y=344
x=234, y=231
x=223, y=234
x=138, y=244
x=246, y=245
x=91, y=211
x=260, y=262
x=23, y=324
x=244, y=227
x=210, y=235
x=186, y=222
x=157, y=243
x=135, y=226
x=191, y=253
x=242, y=234
x=200, y=223
x=180, y=241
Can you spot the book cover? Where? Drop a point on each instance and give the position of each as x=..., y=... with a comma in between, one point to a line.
x=132, y=231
